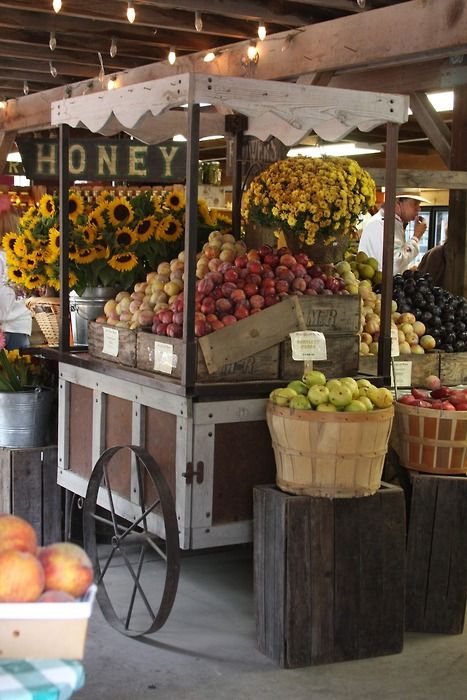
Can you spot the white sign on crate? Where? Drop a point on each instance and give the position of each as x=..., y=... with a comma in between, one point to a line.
x=308, y=346
x=394, y=342
x=403, y=374
x=110, y=344
x=164, y=358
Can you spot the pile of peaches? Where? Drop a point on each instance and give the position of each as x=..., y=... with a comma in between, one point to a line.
x=59, y=572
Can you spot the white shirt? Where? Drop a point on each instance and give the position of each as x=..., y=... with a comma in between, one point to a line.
x=14, y=315
x=3, y=268
x=371, y=242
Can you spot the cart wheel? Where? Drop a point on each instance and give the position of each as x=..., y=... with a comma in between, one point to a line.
x=117, y=536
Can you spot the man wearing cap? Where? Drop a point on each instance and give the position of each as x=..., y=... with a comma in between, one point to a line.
x=405, y=252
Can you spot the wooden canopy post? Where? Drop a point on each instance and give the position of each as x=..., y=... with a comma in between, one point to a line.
x=456, y=251
x=63, y=181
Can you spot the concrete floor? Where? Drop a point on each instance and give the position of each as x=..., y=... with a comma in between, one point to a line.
x=207, y=651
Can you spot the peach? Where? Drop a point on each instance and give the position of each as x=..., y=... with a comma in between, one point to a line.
x=16, y=533
x=22, y=577
x=52, y=596
x=67, y=568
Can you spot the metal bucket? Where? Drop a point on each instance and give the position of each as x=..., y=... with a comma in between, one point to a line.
x=85, y=308
x=24, y=417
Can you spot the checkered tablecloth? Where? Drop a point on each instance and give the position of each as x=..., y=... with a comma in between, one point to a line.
x=40, y=680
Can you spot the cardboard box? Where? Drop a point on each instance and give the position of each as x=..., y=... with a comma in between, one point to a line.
x=45, y=630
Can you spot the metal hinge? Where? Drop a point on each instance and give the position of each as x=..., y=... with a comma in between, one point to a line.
x=190, y=473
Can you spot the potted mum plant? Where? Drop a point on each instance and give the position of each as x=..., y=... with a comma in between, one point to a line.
x=315, y=202
x=26, y=396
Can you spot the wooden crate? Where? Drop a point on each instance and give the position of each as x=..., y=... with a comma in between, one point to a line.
x=112, y=344
x=342, y=351
x=422, y=366
x=437, y=554
x=28, y=488
x=328, y=575
x=453, y=368
x=331, y=313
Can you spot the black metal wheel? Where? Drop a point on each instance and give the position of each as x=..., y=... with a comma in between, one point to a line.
x=132, y=542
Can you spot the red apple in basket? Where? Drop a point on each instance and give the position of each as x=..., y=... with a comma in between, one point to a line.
x=67, y=568
x=21, y=577
x=16, y=533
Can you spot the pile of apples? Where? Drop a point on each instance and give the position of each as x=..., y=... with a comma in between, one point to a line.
x=437, y=396
x=314, y=392
x=412, y=335
x=60, y=572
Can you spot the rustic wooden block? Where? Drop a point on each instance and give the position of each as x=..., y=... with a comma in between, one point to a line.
x=112, y=344
x=29, y=489
x=453, y=368
x=328, y=575
x=342, y=351
x=437, y=554
x=422, y=366
x=156, y=353
x=331, y=313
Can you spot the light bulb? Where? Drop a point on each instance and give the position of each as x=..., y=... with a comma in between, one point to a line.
x=113, y=48
x=198, y=22
x=261, y=31
x=210, y=56
x=52, y=41
x=361, y=3
x=2, y=104
x=172, y=57
x=26, y=87
x=252, y=52
x=53, y=70
x=112, y=84
x=130, y=12
x=57, y=5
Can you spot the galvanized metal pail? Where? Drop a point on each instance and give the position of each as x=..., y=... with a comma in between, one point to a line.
x=85, y=308
x=24, y=417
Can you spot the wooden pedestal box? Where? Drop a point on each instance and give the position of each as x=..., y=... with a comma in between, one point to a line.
x=453, y=368
x=342, y=351
x=437, y=554
x=422, y=366
x=112, y=344
x=329, y=576
x=28, y=489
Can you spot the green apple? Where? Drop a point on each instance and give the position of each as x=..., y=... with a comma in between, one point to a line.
x=352, y=384
x=298, y=386
x=355, y=406
x=366, y=402
x=366, y=390
x=342, y=267
x=340, y=396
x=363, y=382
x=300, y=402
x=381, y=398
x=318, y=394
x=326, y=408
x=281, y=397
x=313, y=377
x=333, y=383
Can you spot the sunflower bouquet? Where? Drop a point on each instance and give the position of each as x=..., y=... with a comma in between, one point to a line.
x=114, y=241
x=21, y=371
x=314, y=200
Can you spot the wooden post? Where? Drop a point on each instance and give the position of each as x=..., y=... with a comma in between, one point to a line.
x=456, y=250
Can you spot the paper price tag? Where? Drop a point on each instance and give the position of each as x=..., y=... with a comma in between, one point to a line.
x=110, y=345
x=403, y=372
x=164, y=358
x=308, y=345
x=394, y=342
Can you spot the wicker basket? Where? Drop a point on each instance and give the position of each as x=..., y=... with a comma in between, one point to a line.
x=46, y=312
x=431, y=441
x=337, y=455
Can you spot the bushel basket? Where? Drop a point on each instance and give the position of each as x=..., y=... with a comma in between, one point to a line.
x=430, y=440
x=336, y=455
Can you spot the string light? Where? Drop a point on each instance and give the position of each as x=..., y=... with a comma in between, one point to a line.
x=25, y=87
x=102, y=70
x=130, y=12
x=198, y=22
x=112, y=84
x=252, y=51
x=361, y=4
x=52, y=41
x=57, y=5
x=172, y=57
x=53, y=70
x=210, y=56
x=113, y=48
x=2, y=104
x=262, y=31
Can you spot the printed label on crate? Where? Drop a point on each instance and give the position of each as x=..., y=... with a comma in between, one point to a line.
x=164, y=358
x=394, y=342
x=402, y=372
x=110, y=344
x=308, y=345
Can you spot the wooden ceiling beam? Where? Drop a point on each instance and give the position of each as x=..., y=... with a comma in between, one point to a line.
x=433, y=126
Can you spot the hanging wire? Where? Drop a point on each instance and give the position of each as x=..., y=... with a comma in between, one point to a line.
x=102, y=71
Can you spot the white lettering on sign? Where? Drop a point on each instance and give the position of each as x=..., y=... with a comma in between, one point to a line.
x=46, y=159
x=107, y=160
x=76, y=159
x=137, y=160
x=308, y=345
x=168, y=156
x=110, y=344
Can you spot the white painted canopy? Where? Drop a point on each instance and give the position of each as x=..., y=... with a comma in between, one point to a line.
x=285, y=110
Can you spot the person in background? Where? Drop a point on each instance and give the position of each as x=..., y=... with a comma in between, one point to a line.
x=405, y=251
x=15, y=318
x=434, y=262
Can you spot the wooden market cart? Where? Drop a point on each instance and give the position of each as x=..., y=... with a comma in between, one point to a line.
x=207, y=441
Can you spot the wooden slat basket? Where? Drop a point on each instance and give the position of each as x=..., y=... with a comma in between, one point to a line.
x=431, y=441
x=336, y=455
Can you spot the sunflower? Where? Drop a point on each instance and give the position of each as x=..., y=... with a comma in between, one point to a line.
x=9, y=240
x=54, y=283
x=205, y=214
x=85, y=256
x=103, y=197
x=20, y=248
x=120, y=211
x=144, y=229
x=175, y=200
x=51, y=254
x=96, y=217
x=169, y=229
x=101, y=249
x=87, y=233
x=54, y=239
x=123, y=261
x=16, y=275
x=125, y=237
x=34, y=281
x=75, y=206
x=47, y=206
